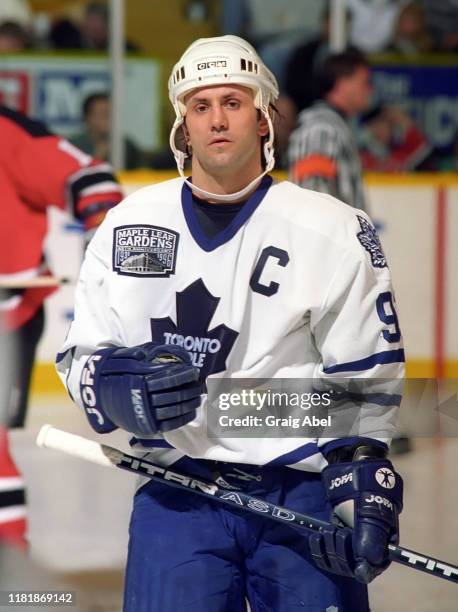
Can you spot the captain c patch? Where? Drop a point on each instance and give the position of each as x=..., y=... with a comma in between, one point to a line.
x=144, y=250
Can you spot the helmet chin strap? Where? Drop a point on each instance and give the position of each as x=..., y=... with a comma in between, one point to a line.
x=180, y=158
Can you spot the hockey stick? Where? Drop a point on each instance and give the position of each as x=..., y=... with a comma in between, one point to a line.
x=32, y=283
x=50, y=437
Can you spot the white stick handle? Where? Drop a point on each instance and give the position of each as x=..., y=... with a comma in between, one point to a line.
x=51, y=437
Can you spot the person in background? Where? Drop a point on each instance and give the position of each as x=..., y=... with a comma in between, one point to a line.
x=410, y=35
x=322, y=152
x=373, y=23
x=37, y=170
x=274, y=28
x=94, y=27
x=93, y=34
x=15, y=26
x=64, y=34
x=441, y=20
x=14, y=37
x=16, y=11
x=301, y=88
x=300, y=82
x=94, y=139
x=391, y=142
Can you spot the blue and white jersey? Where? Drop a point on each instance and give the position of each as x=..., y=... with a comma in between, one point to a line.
x=296, y=286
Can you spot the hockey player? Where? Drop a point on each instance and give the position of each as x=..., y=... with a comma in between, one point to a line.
x=228, y=273
x=37, y=170
x=322, y=153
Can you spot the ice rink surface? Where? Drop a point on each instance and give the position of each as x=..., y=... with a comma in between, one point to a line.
x=79, y=512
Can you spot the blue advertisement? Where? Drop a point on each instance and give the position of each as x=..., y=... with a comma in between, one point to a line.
x=428, y=93
x=53, y=88
x=60, y=96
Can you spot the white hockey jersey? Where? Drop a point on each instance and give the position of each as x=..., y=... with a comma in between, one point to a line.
x=296, y=286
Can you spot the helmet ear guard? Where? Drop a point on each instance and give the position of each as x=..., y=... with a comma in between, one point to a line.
x=219, y=61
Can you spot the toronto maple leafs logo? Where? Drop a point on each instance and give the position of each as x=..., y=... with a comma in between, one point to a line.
x=371, y=242
x=195, y=307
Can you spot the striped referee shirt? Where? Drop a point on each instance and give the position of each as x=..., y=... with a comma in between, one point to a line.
x=323, y=155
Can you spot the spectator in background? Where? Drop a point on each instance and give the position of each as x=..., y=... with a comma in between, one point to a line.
x=95, y=137
x=13, y=37
x=95, y=27
x=273, y=27
x=322, y=153
x=300, y=82
x=300, y=88
x=64, y=34
x=37, y=170
x=18, y=11
x=373, y=23
x=92, y=35
x=442, y=22
x=390, y=141
x=410, y=35
x=15, y=26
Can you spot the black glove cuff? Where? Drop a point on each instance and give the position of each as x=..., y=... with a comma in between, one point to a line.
x=356, y=452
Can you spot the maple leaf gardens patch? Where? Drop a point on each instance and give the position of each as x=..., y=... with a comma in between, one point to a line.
x=144, y=251
x=371, y=242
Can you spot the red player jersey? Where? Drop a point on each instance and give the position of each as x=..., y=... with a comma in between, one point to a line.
x=39, y=169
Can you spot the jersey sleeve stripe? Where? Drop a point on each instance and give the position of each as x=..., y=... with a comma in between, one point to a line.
x=92, y=179
x=380, y=399
x=102, y=187
x=396, y=356
x=313, y=165
x=12, y=498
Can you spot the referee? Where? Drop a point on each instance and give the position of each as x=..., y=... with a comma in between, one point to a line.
x=322, y=153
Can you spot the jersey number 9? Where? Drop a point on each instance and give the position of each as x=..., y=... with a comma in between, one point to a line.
x=387, y=314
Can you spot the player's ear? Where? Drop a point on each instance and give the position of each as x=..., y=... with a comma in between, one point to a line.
x=263, y=126
x=186, y=136
x=182, y=140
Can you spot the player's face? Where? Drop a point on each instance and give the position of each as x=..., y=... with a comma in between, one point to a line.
x=224, y=130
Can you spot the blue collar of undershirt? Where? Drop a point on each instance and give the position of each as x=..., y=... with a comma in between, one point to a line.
x=209, y=244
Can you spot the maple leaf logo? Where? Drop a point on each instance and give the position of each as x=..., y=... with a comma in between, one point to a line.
x=371, y=242
x=195, y=307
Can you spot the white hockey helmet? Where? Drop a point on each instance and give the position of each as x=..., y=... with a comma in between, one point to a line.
x=219, y=61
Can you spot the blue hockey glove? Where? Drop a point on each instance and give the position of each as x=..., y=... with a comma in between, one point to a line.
x=143, y=389
x=365, y=495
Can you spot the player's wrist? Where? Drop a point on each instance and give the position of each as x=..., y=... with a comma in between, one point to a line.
x=344, y=451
